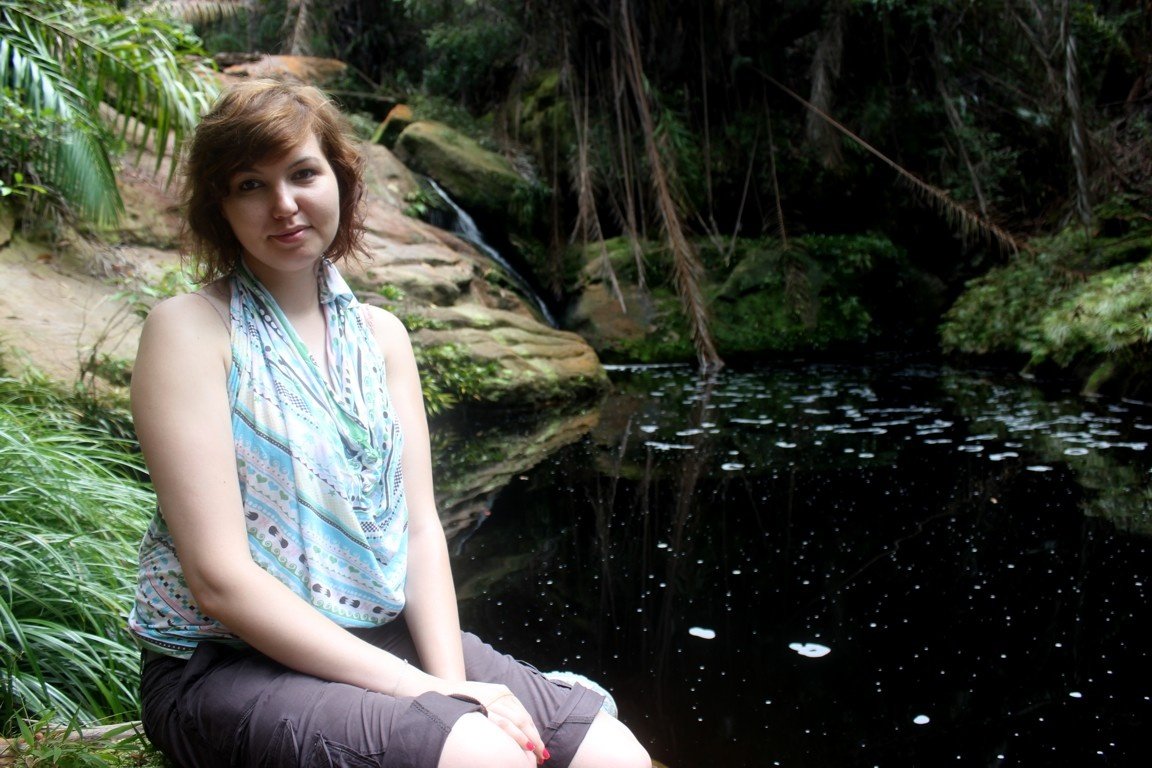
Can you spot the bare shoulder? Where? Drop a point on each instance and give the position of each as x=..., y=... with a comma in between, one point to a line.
x=190, y=326
x=389, y=331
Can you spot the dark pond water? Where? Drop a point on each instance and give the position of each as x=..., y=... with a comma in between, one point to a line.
x=892, y=565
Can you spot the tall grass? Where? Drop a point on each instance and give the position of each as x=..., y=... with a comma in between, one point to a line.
x=72, y=509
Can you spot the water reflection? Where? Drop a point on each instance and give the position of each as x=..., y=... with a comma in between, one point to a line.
x=833, y=566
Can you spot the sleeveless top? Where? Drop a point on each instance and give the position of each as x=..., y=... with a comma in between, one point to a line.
x=319, y=470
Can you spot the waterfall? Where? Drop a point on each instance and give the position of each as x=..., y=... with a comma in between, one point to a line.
x=464, y=226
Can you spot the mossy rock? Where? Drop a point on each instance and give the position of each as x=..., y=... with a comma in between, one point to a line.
x=498, y=358
x=623, y=322
x=1077, y=303
x=818, y=293
x=482, y=182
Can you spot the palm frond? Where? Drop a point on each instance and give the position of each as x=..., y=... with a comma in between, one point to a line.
x=687, y=270
x=66, y=59
x=200, y=11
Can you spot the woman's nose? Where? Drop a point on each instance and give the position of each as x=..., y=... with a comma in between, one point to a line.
x=283, y=202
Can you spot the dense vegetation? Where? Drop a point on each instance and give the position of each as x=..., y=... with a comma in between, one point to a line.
x=960, y=131
x=73, y=505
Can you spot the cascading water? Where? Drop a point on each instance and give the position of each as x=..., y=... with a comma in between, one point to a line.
x=464, y=226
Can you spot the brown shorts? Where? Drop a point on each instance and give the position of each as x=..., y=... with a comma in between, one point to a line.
x=236, y=707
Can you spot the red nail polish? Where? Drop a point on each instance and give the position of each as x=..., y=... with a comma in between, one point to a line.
x=529, y=747
x=546, y=755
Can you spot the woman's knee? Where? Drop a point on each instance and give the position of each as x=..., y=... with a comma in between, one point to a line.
x=477, y=742
x=609, y=744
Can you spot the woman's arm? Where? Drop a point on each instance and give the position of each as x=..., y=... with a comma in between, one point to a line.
x=182, y=416
x=430, y=595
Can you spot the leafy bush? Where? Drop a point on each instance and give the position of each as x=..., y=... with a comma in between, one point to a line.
x=1077, y=302
x=808, y=296
x=73, y=511
x=1001, y=311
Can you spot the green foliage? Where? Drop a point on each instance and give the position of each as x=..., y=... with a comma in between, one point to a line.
x=18, y=187
x=61, y=60
x=807, y=296
x=141, y=296
x=23, y=135
x=391, y=292
x=46, y=743
x=466, y=59
x=1109, y=313
x=452, y=376
x=1078, y=301
x=1000, y=312
x=421, y=202
x=73, y=510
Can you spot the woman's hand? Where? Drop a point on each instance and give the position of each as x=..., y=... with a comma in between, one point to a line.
x=506, y=711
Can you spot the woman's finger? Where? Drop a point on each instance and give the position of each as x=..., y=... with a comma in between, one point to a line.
x=508, y=713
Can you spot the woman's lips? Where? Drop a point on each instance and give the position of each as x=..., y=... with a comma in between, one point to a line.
x=291, y=235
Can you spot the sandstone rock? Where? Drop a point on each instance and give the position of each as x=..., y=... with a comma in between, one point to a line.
x=394, y=123
x=306, y=69
x=538, y=364
x=621, y=320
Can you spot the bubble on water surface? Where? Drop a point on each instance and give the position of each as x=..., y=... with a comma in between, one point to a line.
x=1039, y=468
x=667, y=446
x=702, y=633
x=731, y=466
x=811, y=650
x=921, y=719
x=649, y=428
x=785, y=445
x=1002, y=456
x=1075, y=451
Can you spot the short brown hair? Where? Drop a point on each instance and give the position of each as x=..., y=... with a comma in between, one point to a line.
x=252, y=122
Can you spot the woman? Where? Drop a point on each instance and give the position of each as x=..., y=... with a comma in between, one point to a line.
x=295, y=602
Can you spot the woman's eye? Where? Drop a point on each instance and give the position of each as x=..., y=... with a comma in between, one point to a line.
x=306, y=173
x=247, y=185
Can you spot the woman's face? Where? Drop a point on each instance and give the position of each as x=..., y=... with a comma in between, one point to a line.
x=285, y=211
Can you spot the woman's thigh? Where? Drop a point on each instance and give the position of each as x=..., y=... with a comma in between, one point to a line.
x=226, y=707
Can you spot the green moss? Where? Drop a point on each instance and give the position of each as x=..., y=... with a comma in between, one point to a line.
x=451, y=376
x=391, y=292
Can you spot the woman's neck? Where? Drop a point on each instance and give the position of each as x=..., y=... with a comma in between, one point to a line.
x=297, y=293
